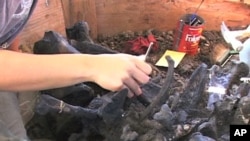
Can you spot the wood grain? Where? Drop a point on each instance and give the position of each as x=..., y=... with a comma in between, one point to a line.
x=135, y=15
x=109, y=17
x=45, y=18
x=80, y=10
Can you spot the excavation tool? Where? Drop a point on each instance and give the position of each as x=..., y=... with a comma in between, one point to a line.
x=144, y=57
x=142, y=98
x=221, y=54
x=195, y=21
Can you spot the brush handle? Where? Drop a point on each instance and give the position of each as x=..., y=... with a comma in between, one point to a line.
x=194, y=15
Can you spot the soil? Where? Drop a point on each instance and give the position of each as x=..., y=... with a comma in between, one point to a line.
x=165, y=41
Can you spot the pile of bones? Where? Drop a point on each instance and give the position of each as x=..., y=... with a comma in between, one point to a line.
x=86, y=112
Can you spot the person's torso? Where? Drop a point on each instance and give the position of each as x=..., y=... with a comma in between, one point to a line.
x=13, y=16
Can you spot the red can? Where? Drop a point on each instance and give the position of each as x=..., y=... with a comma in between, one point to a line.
x=188, y=33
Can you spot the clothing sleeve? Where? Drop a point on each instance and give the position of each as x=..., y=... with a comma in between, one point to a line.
x=14, y=14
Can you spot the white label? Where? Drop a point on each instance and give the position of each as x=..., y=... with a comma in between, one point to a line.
x=192, y=38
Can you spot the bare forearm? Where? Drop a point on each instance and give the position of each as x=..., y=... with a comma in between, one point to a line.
x=21, y=71
x=24, y=72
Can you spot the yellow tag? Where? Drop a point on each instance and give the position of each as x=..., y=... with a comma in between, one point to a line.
x=175, y=55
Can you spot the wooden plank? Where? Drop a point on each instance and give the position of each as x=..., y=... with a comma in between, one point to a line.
x=118, y=16
x=45, y=17
x=80, y=10
x=109, y=17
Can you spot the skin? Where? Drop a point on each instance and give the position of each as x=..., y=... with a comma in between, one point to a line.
x=27, y=72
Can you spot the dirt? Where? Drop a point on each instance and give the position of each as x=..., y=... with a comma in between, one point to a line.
x=165, y=41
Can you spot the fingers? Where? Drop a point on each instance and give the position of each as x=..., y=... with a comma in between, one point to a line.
x=140, y=76
x=127, y=71
x=132, y=85
x=143, y=66
x=130, y=93
x=134, y=81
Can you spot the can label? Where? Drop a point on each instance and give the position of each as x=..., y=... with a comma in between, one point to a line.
x=188, y=34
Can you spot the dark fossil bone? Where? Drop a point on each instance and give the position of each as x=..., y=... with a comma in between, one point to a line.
x=112, y=109
x=53, y=43
x=90, y=48
x=163, y=94
x=79, y=32
x=60, y=93
x=78, y=36
x=48, y=104
x=77, y=95
x=108, y=107
x=193, y=92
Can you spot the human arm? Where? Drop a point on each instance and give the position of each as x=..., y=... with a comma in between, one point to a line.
x=22, y=72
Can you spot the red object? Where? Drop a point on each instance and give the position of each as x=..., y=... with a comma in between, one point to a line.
x=140, y=44
x=187, y=36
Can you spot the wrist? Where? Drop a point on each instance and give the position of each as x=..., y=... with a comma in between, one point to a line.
x=89, y=67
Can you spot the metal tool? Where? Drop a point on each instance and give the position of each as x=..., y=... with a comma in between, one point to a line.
x=193, y=18
x=230, y=55
x=198, y=7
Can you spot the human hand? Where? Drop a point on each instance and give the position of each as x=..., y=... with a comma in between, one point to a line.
x=117, y=71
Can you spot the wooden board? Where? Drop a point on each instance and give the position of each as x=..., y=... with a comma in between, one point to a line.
x=80, y=10
x=47, y=16
x=136, y=15
x=109, y=17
